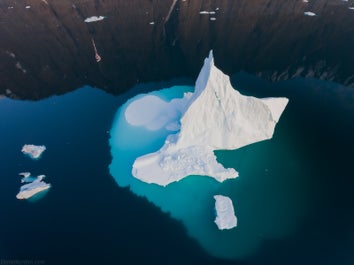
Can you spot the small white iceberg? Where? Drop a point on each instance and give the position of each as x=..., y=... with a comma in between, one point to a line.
x=33, y=151
x=207, y=12
x=36, y=186
x=94, y=19
x=26, y=177
x=225, y=214
x=310, y=14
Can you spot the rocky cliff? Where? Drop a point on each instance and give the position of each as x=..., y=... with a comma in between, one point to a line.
x=46, y=47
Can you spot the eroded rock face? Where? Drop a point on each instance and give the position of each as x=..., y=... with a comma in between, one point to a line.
x=47, y=48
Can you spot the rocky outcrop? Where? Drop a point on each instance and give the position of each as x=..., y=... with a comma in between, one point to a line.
x=47, y=48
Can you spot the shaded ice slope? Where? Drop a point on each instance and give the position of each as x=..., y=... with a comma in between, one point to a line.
x=217, y=117
x=220, y=117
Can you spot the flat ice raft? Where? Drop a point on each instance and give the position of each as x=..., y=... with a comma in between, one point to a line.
x=214, y=117
x=225, y=214
x=33, y=151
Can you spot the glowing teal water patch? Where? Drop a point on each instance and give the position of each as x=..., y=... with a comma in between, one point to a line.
x=38, y=196
x=263, y=199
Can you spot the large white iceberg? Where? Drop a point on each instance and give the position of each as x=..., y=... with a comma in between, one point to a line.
x=215, y=117
x=33, y=151
x=32, y=188
x=225, y=214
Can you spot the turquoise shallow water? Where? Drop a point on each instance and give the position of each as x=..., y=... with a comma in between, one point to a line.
x=269, y=196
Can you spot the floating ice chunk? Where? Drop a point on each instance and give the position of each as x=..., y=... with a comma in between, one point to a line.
x=25, y=174
x=310, y=14
x=26, y=177
x=94, y=19
x=20, y=67
x=225, y=214
x=33, y=151
x=33, y=188
x=215, y=117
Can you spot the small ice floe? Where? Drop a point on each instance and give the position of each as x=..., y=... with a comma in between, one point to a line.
x=35, y=186
x=207, y=12
x=310, y=14
x=225, y=214
x=19, y=66
x=212, y=18
x=33, y=151
x=26, y=177
x=152, y=23
x=11, y=54
x=25, y=174
x=27, y=7
x=94, y=19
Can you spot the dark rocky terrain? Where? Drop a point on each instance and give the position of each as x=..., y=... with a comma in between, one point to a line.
x=47, y=49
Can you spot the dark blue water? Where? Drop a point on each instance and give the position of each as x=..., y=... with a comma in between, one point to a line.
x=86, y=218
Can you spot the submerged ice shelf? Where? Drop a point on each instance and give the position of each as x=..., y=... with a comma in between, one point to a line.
x=214, y=117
